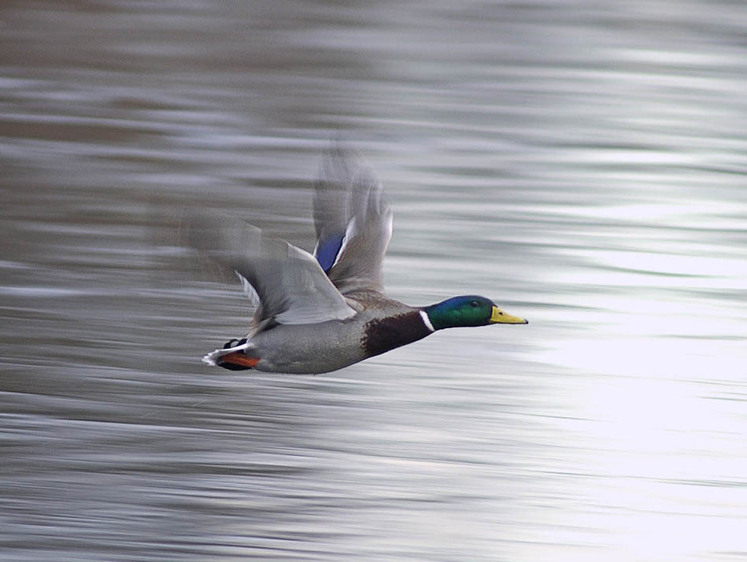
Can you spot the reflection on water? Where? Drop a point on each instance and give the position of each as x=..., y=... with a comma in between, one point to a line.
x=582, y=164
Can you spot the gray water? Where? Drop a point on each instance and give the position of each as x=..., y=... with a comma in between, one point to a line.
x=582, y=163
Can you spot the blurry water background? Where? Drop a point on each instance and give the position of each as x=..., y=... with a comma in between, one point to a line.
x=581, y=162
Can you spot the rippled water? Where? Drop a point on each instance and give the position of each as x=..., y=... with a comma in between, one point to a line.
x=581, y=162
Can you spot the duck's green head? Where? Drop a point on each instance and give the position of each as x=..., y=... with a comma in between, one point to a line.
x=466, y=311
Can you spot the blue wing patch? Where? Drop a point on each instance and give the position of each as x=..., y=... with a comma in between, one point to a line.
x=327, y=251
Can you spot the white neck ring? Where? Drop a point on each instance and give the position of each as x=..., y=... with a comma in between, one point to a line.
x=427, y=321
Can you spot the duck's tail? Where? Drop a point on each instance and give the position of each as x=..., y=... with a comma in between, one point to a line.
x=234, y=358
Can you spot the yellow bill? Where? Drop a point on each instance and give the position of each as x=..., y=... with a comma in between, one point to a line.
x=500, y=317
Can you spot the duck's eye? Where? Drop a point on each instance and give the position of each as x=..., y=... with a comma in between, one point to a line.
x=474, y=304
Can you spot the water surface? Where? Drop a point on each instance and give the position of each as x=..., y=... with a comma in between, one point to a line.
x=581, y=163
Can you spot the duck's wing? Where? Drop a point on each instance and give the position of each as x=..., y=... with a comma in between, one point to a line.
x=290, y=284
x=353, y=222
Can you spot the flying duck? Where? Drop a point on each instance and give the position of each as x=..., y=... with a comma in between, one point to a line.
x=322, y=312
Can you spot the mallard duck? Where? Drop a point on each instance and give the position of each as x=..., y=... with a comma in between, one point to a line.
x=322, y=312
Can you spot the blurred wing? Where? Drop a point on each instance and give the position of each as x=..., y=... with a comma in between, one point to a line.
x=353, y=222
x=291, y=287
x=249, y=291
